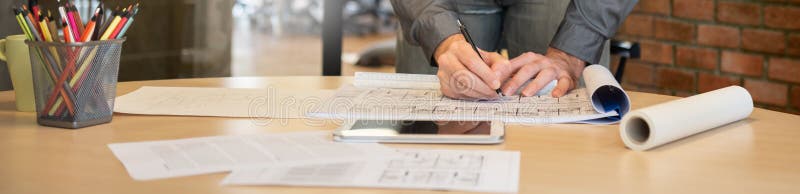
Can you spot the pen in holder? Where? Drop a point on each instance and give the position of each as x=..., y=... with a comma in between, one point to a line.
x=74, y=83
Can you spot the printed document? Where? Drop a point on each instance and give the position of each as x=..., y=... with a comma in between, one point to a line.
x=192, y=156
x=382, y=96
x=220, y=102
x=459, y=170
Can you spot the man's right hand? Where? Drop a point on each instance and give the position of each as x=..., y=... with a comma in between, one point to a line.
x=462, y=74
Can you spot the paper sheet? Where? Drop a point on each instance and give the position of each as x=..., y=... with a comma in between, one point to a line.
x=605, y=93
x=460, y=170
x=192, y=156
x=660, y=124
x=601, y=102
x=220, y=102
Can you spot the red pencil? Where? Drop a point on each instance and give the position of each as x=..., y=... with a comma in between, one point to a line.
x=119, y=26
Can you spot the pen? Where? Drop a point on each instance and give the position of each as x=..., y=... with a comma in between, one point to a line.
x=464, y=32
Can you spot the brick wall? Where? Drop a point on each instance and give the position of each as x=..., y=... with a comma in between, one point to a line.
x=695, y=46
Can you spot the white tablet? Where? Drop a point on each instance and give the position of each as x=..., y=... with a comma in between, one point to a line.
x=405, y=131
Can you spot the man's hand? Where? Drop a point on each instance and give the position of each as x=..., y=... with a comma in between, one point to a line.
x=555, y=65
x=462, y=74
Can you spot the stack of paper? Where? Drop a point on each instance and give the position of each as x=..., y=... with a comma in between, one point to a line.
x=313, y=159
x=181, y=157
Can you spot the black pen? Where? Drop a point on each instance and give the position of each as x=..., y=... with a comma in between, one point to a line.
x=464, y=32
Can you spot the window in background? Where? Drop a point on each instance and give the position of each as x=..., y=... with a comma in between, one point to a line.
x=283, y=37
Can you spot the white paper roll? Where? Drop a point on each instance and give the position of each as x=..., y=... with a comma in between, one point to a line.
x=659, y=124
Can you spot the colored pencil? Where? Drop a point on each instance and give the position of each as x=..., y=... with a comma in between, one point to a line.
x=89, y=30
x=110, y=29
x=70, y=66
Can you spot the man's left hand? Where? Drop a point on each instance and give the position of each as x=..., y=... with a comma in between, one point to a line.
x=555, y=65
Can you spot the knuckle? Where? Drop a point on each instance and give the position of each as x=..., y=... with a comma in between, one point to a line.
x=527, y=69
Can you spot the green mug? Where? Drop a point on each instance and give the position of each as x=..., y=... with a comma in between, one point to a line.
x=14, y=51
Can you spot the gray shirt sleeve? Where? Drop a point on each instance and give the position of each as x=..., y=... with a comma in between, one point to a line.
x=426, y=23
x=588, y=24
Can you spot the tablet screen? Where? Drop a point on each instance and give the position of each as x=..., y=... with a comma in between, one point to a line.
x=366, y=127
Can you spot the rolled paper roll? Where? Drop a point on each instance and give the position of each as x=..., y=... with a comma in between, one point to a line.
x=660, y=124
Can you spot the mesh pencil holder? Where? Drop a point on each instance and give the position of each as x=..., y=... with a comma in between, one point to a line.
x=75, y=83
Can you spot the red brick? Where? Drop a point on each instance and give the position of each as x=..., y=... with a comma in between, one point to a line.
x=739, y=12
x=684, y=94
x=708, y=82
x=673, y=30
x=767, y=92
x=696, y=57
x=654, y=90
x=693, y=9
x=793, y=45
x=796, y=96
x=637, y=24
x=763, y=40
x=741, y=63
x=676, y=79
x=656, y=52
x=782, y=17
x=639, y=73
x=782, y=1
x=653, y=6
x=629, y=87
x=721, y=36
x=784, y=69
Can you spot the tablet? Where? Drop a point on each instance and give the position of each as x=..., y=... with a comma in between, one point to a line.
x=422, y=131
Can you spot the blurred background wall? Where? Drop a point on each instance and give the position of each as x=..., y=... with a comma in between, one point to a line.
x=694, y=46
x=688, y=46
x=9, y=27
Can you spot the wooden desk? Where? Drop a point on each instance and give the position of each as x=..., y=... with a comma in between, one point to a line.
x=757, y=155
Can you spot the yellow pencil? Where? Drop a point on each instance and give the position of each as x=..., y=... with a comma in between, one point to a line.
x=45, y=29
x=111, y=27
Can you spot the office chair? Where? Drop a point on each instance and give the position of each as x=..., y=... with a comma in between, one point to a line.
x=625, y=50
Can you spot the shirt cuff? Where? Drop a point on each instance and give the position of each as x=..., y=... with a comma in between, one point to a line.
x=579, y=41
x=431, y=31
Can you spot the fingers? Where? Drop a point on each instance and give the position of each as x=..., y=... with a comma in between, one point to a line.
x=523, y=75
x=463, y=84
x=473, y=62
x=471, y=87
x=493, y=59
x=505, y=71
x=564, y=84
x=544, y=77
x=499, y=65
